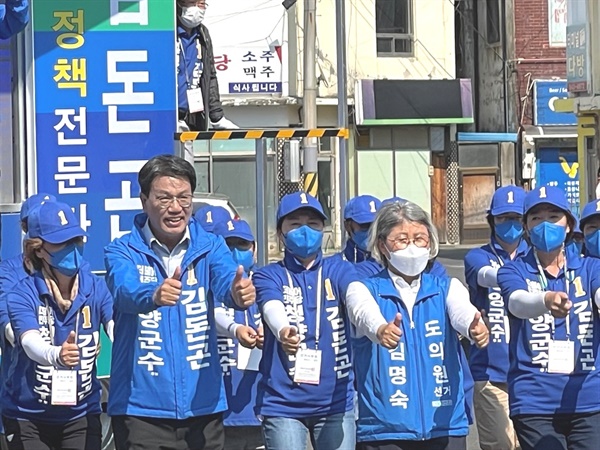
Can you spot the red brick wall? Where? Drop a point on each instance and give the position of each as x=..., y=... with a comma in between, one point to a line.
x=532, y=43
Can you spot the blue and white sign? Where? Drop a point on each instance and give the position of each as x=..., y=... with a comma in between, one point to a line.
x=104, y=104
x=546, y=92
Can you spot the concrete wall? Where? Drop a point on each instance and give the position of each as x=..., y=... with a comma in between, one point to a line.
x=434, y=56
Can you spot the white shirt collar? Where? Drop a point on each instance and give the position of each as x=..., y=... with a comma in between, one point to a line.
x=401, y=283
x=151, y=239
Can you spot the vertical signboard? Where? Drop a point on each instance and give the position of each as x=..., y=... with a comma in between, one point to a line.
x=578, y=73
x=557, y=23
x=104, y=104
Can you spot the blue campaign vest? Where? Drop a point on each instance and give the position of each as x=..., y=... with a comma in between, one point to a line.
x=189, y=66
x=490, y=363
x=414, y=392
x=28, y=384
x=532, y=390
x=240, y=385
x=178, y=343
x=278, y=395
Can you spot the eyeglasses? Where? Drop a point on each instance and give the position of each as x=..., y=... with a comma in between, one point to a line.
x=164, y=201
x=400, y=243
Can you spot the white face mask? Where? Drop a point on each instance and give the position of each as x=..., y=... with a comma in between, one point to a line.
x=192, y=16
x=411, y=261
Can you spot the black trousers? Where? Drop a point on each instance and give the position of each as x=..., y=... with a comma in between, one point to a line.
x=146, y=433
x=559, y=431
x=443, y=443
x=84, y=433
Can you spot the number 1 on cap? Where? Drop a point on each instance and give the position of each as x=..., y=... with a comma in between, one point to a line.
x=543, y=192
x=511, y=197
x=63, y=218
x=372, y=205
x=303, y=199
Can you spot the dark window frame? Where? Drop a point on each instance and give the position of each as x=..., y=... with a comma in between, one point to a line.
x=404, y=39
x=493, y=33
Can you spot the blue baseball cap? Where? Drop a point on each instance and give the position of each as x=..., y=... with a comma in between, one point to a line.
x=210, y=215
x=54, y=222
x=507, y=199
x=390, y=200
x=550, y=195
x=589, y=210
x=34, y=201
x=234, y=228
x=298, y=200
x=362, y=209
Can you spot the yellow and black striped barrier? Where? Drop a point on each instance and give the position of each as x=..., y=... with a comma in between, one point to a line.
x=260, y=134
x=311, y=184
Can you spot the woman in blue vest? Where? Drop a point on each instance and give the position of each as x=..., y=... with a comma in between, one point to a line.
x=554, y=378
x=306, y=390
x=52, y=396
x=406, y=347
x=489, y=365
x=240, y=343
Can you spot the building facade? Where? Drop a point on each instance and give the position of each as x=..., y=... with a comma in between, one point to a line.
x=515, y=51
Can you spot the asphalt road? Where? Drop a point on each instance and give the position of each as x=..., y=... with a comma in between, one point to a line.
x=452, y=258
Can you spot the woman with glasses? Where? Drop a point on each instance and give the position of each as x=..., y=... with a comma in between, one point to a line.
x=52, y=396
x=406, y=347
x=553, y=298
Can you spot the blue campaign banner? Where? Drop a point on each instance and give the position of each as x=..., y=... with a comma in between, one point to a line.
x=105, y=103
x=545, y=93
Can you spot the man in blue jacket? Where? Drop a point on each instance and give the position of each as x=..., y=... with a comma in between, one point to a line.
x=14, y=16
x=166, y=384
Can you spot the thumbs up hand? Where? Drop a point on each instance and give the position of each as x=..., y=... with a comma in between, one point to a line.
x=69, y=352
x=389, y=334
x=290, y=340
x=242, y=289
x=479, y=331
x=169, y=291
x=558, y=303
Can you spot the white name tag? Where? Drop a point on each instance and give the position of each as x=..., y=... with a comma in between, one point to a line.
x=248, y=359
x=308, y=366
x=561, y=357
x=195, y=101
x=64, y=387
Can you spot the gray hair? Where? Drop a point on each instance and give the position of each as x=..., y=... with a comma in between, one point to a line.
x=394, y=214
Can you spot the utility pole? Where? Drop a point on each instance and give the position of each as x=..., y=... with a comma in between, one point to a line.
x=340, y=33
x=309, y=99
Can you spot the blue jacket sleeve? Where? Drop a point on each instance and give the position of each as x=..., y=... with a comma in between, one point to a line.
x=267, y=288
x=510, y=280
x=222, y=272
x=106, y=301
x=474, y=261
x=123, y=280
x=14, y=16
x=4, y=283
x=21, y=312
